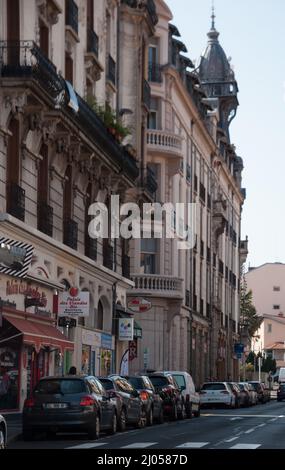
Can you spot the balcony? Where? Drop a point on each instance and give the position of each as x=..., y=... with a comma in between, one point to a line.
x=154, y=72
x=164, y=142
x=16, y=201
x=146, y=94
x=111, y=70
x=25, y=60
x=70, y=233
x=71, y=15
x=157, y=286
x=91, y=248
x=45, y=218
x=150, y=182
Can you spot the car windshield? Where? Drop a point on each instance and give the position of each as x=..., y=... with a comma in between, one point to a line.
x=180, y=381
x=107, y=384
x=214, y=386
x=56, y=386
x=159, y=381
x=136, y=382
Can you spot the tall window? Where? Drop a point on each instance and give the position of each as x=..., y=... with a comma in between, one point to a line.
x=69, y=68
x=269, y=328
x=13, y=30
x=100, y=316
x=13, y=157
x=149, y=262
x=43, y=175
x=44, y=39
x=67, y=194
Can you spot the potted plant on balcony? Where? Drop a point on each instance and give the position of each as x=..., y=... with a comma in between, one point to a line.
x=121, y=131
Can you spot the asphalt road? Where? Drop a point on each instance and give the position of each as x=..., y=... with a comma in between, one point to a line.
x=259, y=427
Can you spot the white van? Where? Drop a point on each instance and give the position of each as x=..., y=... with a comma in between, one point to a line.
x=281, y=374
x=191, y=398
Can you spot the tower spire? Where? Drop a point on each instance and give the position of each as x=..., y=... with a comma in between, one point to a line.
x=213, y=15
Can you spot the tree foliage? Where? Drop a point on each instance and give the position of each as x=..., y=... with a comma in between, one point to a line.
x=248, y=315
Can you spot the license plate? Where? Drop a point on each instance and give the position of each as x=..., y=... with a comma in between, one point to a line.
x=56, y=405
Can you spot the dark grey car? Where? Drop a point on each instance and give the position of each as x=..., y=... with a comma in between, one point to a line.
x=3, y=433
x=130, y=408
x=69, y=404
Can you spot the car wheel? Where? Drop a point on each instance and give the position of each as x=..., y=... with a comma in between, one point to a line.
x=161, y=416
x=113, y=429
x=94, y=431
x=122, y=423
x=174, y=414
x=150, y=417
x=28, y=435
x=2, y=439
x=197, y=413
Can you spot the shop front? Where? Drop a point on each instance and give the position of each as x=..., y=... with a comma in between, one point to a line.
x=107, y=355
x=29, y=350
x=90, y=355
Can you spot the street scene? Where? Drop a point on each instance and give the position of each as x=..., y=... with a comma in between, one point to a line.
x=141, y=279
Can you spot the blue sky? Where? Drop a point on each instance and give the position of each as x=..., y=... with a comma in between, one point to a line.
x=252, y=33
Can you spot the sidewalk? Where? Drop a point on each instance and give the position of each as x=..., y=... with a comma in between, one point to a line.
x=14, y=424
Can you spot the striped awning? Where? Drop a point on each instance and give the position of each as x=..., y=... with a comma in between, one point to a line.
x=15, y=257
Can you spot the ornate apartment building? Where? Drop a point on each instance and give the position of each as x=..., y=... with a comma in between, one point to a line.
x=194, y=320
x=62, y=123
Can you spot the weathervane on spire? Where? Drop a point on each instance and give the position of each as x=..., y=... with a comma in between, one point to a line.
x=213, y=14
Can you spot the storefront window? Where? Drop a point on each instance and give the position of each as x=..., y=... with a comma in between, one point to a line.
x=9, y=378
x=86, y=359
x=106, y=361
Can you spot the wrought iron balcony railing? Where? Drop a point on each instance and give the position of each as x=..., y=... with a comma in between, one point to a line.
x=71, y=15
x=154, y=72
x=150, y=181
x=24, y=59
x=70, y=233
x=111, y=71
x=45, y=218
x=92, y=42
x=16, y=201
x=146, y=94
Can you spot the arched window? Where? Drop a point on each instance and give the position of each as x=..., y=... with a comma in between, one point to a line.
x=100, y=316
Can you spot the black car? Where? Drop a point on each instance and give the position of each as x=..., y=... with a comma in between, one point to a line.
x=281, y=392
x=152, y=400
x=3, y=433
x=69, y=404
x=130, y=408
x=165, y=384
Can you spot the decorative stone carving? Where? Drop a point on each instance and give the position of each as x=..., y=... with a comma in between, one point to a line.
x=49, y=10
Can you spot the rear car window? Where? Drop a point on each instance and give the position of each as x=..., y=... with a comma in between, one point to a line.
x=214, y=386
x=107, y=384
x=180, y=380
x=158, y=381
x=67, y=386
x=136, y=382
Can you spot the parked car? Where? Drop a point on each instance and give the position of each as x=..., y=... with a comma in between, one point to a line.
x=167, y=387
x=191, y=398
x=237, y=393
x=217, y=393
x=266, y=391
x=152, y=400
x=249, y=393
x=69, y=404
x=281, y=392
x=3, y=433
x=260, y=390
x=130, y=408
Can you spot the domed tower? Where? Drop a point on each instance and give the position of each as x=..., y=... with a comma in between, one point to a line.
x=218, y=79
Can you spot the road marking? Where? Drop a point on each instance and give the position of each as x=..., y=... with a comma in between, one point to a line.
x=235, y=419
x=192, y=445
x=232, y=439
x=261, y=425
x=281, y=416
x=274, y=419
x=89, y=445
x=240, y=416
x=139, y=445
x=249, y=431
x=246, y=446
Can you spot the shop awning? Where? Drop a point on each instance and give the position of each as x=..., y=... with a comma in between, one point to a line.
x=40, y=335
x=137, y=330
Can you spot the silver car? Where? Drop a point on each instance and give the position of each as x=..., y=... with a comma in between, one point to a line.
x=3, y=433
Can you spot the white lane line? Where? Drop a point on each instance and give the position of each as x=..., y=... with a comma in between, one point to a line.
x=89, y=445
x=139, y=445
x=261, y=425
x=192, y=445
x=232, y=439
x=274, y=419
x=249, y=431
x=235, y=419
x=281, y=416
x=246, y=446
